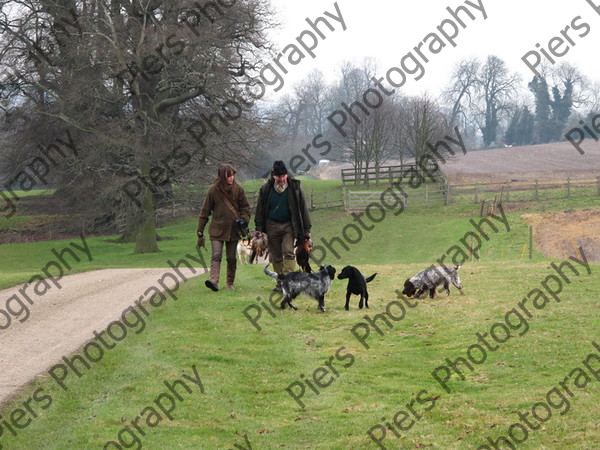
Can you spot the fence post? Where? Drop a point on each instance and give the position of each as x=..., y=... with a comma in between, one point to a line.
x=530, y=241
x=598, y=178
x=568, y=187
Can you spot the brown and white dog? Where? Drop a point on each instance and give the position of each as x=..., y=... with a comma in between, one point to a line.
x=259, y=244
x=244, y=251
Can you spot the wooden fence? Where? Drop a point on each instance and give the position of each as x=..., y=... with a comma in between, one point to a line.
x=333, y=199
x=442, y=193
x=424, y=195
x=382, y=174
x=527, y=190
x=326, y=200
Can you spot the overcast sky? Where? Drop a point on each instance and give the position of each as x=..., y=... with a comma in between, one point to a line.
x=387, y=30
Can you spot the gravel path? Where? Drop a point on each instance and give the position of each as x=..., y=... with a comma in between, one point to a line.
x=61, y=320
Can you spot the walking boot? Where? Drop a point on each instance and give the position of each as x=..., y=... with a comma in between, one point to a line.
x=230, y=277
x=213, y=282
x=278, y=268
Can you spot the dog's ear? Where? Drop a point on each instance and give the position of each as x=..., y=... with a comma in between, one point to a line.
x=409, y=289
x=331, y=271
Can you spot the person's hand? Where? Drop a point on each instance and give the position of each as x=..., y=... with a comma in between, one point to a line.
x=201, y=241
x=307, y=235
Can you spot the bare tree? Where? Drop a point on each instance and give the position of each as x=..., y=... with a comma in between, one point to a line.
x=148, y=90
x=425, y=124
x=354, y=81
x=496, y=89
x=459, y=94
x=314, y=99
x=571, y=79
x=592, y=103
x=370, y=130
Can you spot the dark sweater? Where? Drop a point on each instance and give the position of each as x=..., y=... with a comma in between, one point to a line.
x=279, y=208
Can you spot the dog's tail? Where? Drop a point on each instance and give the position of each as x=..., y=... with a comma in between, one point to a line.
x=272, y=274
x=371, y=278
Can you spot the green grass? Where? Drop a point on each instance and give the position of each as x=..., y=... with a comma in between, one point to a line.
x=27, y=259
x=34, y=192
x=245, y=372
x=445, y=228
x=528, y=195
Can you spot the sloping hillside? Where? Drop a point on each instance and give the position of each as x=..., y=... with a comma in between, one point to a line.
x=558, y=160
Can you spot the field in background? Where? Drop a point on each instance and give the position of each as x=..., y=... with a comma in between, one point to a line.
x=555, y=161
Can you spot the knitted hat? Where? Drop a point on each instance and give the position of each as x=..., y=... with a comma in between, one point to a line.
x=279, y=168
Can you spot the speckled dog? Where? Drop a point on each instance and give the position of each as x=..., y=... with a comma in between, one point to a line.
x=430, y=279
x=315, y=285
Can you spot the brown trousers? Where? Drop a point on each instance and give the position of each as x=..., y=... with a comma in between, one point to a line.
x=215, y=261
x=281, y=246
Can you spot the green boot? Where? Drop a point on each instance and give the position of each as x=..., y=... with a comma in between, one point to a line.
x=278, y=268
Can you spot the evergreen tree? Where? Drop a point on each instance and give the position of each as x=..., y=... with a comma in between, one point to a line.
x=543, y=124
x=561, y=109
x=520, y=129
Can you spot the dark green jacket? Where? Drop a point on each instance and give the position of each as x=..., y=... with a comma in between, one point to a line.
x=298, y=207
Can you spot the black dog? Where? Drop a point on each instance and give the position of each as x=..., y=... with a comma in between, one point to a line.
x=357, y=284
x=430, y=279
x=314, y=284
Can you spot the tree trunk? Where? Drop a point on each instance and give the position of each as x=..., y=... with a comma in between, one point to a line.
x=145, y=236
x=145, y=240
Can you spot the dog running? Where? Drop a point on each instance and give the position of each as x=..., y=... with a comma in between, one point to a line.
x=315, y=285
x=430, y=279
x=357, y=285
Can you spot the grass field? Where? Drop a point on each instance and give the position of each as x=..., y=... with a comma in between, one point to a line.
x=388, y=387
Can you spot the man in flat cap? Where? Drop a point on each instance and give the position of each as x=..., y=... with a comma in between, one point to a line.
x=282, y=213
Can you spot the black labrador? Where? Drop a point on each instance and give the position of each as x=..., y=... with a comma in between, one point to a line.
x=357, y=285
